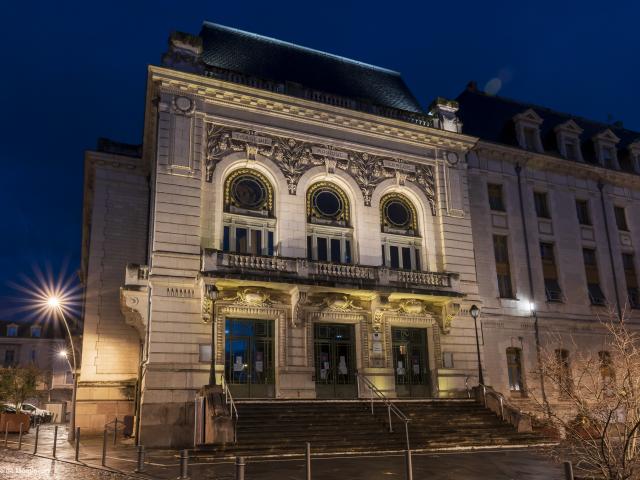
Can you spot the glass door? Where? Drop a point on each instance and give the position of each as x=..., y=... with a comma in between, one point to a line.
x=334, y=361
x=249, y=362
x=410, y=362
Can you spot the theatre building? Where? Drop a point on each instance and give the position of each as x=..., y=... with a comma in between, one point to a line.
x=301, y=206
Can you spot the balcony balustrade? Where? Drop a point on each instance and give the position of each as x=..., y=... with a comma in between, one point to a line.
x=291, y=269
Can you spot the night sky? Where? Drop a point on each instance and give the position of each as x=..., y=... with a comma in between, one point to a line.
x=75, y=71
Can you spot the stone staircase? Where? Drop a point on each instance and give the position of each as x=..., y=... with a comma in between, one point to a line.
x=282, y=427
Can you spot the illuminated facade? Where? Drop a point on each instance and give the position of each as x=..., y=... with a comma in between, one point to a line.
x=308, y=211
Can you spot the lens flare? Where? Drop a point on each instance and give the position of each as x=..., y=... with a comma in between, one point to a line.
x=43, y=295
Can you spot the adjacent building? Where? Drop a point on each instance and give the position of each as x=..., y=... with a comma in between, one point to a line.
x=556, y=228
x=24, y=344
x=298, y=219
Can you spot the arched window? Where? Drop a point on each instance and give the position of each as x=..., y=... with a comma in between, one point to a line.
x=514, y=369
x=249, y=223
x=401, y=244
x=329, y=232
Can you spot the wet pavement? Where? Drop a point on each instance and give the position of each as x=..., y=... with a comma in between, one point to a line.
x=521, y=464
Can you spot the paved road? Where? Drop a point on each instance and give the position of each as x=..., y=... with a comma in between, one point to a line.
x=163, y=465
x=21, y=466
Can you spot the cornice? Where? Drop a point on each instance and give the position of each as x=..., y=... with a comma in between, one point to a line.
x=544, y=161
x=242, y=97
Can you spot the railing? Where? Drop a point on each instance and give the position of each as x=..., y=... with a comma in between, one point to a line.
x=302, y=268
x=391, y=407
x=231, y=405
x=340, y=270
x=497, y=403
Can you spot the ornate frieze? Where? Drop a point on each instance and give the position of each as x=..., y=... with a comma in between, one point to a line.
x=294, y=157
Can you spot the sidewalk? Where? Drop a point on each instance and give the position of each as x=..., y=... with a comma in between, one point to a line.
x=522, y=464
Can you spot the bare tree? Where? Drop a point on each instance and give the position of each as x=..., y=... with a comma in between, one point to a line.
x=597, y=402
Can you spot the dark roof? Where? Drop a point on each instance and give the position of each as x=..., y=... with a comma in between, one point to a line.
x=491, y=118
x=49, y=330
x=285, y=63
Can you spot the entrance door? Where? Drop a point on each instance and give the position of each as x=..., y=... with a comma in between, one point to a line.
x=335, y=361
x=410, y=362
x=249, y=367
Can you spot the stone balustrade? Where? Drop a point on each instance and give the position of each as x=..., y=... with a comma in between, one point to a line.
x=216, y=261
x=136, y=274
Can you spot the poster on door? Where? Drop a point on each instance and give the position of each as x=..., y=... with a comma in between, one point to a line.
x=324, y=365
x=238, y=365
x=400, y=369
x=342, y=366
x=259, y=362
x=415, y=364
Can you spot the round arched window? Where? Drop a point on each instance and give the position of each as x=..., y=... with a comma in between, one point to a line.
x=398, y=215
x=327, y=204
x=247, y=191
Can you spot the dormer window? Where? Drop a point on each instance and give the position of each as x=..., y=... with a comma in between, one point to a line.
x=571, y=149
x=608, y=154
x=605, y=145
x=568, y=139
x=12, y=330
x=36, y=331
x=528, y=130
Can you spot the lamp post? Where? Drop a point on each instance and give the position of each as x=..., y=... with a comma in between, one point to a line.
x=55, y=306
x=213, y=295
x=475, y=312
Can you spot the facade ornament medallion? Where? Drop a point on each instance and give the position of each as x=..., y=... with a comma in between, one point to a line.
x=183, y=105
x=339, y=304
x=294, y=157
x=251, y=298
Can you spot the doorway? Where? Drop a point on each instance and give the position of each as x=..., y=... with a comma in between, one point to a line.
x=410, y=363
x=249, y=362
x=335, y=361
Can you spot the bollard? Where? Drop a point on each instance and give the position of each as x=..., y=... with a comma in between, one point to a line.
x=6, y=432
x=55, y=440
x=308, y=461
x=115, y=431
x=20, y=438
x=568, y=471
x=104, y=447
x=184, y=464
x=77, y=443
x=140, y=467
x=35, y=446
x=240, y=468
x=409, y=466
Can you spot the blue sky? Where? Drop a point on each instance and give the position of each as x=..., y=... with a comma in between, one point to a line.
x=75, y=71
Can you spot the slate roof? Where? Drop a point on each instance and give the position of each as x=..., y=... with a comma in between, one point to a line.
x=49, y=330
x=491, y=118
x=284, y=63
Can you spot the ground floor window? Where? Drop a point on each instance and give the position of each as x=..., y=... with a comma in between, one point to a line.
x=514, y=369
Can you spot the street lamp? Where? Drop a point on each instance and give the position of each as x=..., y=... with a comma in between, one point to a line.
x=55, y=306
x=475, y=312
x=213, y=295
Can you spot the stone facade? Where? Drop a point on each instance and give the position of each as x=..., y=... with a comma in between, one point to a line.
x=554, y=295
x=175, y=256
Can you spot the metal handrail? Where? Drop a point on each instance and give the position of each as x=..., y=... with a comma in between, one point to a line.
x=391, y=407
x=228, y=400
x=501, y=398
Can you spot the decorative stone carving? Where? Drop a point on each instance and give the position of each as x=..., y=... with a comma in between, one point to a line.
x=134, y=307
x=340, y=303
x=251, y=298
x=445, y=314
x=294, y=157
